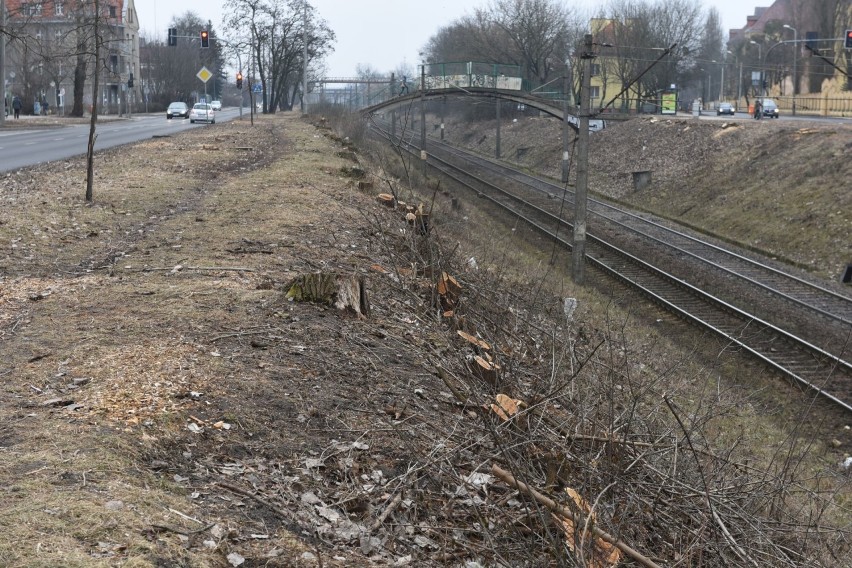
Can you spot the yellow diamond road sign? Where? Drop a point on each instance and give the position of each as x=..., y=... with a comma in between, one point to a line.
x=204, y=74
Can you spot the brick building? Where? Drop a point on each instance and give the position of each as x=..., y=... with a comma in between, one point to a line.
x=49, y=38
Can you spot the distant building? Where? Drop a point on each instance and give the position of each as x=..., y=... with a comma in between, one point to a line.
x=42, y=56
x=772, y=28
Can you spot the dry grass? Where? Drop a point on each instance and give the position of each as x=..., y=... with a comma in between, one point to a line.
x=184, y=386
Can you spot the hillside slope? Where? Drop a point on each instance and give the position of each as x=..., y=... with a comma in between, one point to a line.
x=777, y=186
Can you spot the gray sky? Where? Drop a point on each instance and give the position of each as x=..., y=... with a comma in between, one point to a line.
x=382, y=33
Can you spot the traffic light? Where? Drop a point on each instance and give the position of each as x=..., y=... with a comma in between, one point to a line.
x=205, y=39
x=172, y=37
x=848, y=39
x=239, y=80
x=130, y=81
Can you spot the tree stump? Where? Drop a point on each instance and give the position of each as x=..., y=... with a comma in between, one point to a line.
x=386, y=199
x=344, y=292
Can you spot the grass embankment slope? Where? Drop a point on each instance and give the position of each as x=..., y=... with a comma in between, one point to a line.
x=779, y=187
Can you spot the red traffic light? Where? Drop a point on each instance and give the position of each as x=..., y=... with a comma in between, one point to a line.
x=205, y=39
x=848, y=39
x=239, y=80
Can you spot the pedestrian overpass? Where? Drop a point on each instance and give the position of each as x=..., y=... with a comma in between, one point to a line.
x=441, y=80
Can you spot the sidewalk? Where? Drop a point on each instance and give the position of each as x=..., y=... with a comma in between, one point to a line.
x=53, y=120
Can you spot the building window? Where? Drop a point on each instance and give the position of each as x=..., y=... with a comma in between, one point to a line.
x=33, y=9
x=58, y=9
x=596, y=69
x=112, y=11
x=595, y=92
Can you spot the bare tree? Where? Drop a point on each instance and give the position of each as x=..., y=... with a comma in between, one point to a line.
x=277, y=32
x=639, y=32
x=533, y=34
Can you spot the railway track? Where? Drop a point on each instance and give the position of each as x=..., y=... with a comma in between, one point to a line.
x=812, y=367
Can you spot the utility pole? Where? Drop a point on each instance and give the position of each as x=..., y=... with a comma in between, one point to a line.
x=443, y=114
x=740, y=83
x=497, y=142
x=3, y=60
x=578, y=250
x=566, y=90
x=304, y=56
x=423, y=116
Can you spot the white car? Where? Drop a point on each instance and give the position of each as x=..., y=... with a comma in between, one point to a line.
x=217, y=105
x=202, y=112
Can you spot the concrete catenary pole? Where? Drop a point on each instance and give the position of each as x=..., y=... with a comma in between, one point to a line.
x=423, y=116
x=3, y=60
x=578, y=251
x=304, y=56
x=499, y=118
x=566, y=131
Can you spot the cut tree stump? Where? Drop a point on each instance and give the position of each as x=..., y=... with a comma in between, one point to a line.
x=343, y=291
x=486, y=370
x=386, y=199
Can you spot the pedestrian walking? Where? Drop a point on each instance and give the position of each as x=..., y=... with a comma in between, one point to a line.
x=45, y=107
x=16, y=106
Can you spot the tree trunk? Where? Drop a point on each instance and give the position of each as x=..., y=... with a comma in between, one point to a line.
x=79, y=76
x=90, y=153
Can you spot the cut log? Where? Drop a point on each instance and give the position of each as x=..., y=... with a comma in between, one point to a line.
x=449, y=286
x=449, y=292
x=343, y=291
x=473, y=340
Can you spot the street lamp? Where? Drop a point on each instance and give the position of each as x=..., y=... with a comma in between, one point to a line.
x=795, y=58
x=739, y=74
x=759, y=59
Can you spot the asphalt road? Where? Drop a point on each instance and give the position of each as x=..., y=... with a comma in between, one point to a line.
x=24, y=147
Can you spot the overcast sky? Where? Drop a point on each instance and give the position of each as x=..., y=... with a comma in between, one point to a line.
x=382, y=33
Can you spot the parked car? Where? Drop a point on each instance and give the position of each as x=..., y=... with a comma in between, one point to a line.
x=177, y=109
x=725, y=108
x=217, y=105
x=202, y=112
x=770, y=108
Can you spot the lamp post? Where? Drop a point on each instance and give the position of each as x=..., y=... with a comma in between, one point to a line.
x=739, y=75
x=795, y=58
x=3, y=61
x=759, y=59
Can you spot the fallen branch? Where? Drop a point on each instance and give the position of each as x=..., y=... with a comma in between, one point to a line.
x=245, y=493
x=178, y=269
x=388, y=510
x=568, y=514
x=184, y=532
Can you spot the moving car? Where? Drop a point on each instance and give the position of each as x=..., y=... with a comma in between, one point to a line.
x=725, y=108
x=770, y=108
x=202, y=112
x=217, y=105
x=177, y=109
